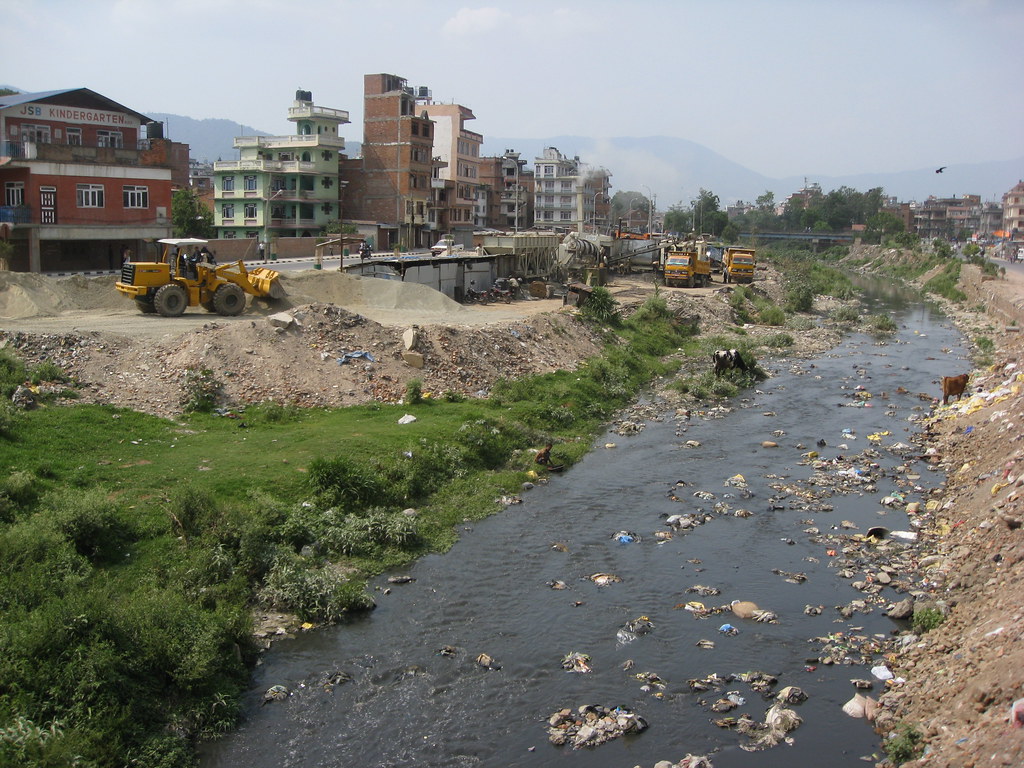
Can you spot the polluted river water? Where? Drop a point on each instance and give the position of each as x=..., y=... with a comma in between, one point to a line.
x=377, y=691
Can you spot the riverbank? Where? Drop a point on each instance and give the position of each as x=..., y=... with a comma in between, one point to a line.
x=963, y=676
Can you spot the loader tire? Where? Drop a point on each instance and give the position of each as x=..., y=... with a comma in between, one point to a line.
x=229, y=300
x=145, y=306
x=170, y=300
x=208, y=305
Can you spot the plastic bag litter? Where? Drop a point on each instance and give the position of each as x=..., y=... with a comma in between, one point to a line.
x=407, y=419
x=882, y=672
x=861, y=706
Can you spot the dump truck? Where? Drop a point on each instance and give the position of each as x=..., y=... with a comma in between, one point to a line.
x=738, y=265
x=685, y=265
x=181, y=279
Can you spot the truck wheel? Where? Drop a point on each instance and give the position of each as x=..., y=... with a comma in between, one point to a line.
x=145, y=306
x=689, y=282
x=229, y=300
x=208, y=305
x=170, y=300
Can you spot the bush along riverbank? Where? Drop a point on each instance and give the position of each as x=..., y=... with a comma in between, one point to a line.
x=139, y=549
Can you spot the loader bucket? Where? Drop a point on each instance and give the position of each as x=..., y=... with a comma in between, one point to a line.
x=267, y=283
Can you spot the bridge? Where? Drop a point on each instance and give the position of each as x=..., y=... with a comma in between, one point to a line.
x=817, y=237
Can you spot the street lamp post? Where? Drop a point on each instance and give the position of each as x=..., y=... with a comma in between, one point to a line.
x=650, y=208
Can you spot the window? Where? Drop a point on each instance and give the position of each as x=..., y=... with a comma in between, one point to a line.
x=227, y=211
x=250, y=183
x=567, y=186
x=565, y=200
x=250, y=210
x=89, y=195
x=135, y=197
x=109, y=139
x=14, y=193
x=252, y=235
x=40, y=134
x=549, y=186
x=228, y=235
x=74, y=136
x=566, y=215
x=227, y=184
x=415, y=128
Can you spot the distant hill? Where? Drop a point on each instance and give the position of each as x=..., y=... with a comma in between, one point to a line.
x=676, y=169
x=208, y=140
x=673, y=169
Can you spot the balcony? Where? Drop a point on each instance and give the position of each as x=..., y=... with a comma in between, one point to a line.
x=15, y=214
x=296, y=140
x=278, y=166
x=297, y=113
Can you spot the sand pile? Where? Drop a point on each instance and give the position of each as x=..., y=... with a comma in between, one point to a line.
x=25, y=295
x=333, y=287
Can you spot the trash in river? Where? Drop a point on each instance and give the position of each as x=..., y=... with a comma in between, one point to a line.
x=625, y=537
x=736, y=481
x=487, y=661
x=651, y=682
x=791, y=695
x=604, y=579
x=401, y=579
x=728, y=629
x=447, y=650
x=745, y=609
x=559, y=546
x=778, y=721
x=634, y=628
x=714, y=680
x=813, y=610
x=706, y=644
x=592, y=725
x=576, y=662
x=759, y=682
x=792, y=578
x=557, y=584
x=864, y=685
x=663, y=535
x=861, y=706
x=276, y=693
x=700, y=589
x=882, y=672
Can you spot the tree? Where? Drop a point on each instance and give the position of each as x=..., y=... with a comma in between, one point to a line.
x=766, y=202
x=881, y=224
x=678, y=219
x=189, y=215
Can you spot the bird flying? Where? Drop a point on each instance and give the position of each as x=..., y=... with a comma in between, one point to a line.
x=940, y=170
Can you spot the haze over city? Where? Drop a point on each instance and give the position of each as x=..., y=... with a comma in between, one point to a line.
x=788, y=88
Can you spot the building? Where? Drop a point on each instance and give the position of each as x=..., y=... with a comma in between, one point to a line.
x=1013, y=212
x=569, y=194
x=958, y=217
x=459, y=152
x=282, y=186
x=82, y=181
x=509, y=186
x=392, y=183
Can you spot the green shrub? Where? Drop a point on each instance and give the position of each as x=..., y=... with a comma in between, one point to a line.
x=779, y=341
x=92, y=523
x=319, y=594
x=926, y=619
x=339, y=480
x=12, y=372
x=845, y=314
x=882, y=324
x=799, y=297
x=200, y=392
x=772, y=315
x=192, y=510
x=904, y=746
x=270, y=412
x=451, y=396
x=985, y=344
x=601, y=307
x=47, y=371
x=414, y=392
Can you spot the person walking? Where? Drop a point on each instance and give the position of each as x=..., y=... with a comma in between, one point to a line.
x=263, y=253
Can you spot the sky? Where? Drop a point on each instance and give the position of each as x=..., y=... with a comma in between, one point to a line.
x=782, y=87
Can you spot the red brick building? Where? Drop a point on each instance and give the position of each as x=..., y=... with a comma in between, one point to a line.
x=80, y=181
x=391, y=183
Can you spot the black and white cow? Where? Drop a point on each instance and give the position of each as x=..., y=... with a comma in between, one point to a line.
x=727, y=359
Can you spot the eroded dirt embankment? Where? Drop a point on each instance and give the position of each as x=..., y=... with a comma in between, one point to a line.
x=963, y=677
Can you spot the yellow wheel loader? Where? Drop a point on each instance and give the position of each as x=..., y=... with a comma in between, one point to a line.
x=183, y=279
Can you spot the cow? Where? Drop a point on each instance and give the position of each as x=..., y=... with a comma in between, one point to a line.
x=726, y=360
x=953, y=386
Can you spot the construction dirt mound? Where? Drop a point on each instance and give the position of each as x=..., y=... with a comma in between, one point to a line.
x=25, y=295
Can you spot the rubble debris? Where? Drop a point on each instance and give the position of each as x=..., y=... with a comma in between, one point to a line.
x=576, y=662
x=592, y=725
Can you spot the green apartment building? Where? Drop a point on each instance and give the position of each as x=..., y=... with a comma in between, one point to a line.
x=282, y=186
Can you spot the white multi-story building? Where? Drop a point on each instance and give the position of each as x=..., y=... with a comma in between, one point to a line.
x=569, y=194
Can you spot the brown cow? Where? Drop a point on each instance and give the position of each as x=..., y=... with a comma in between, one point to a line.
x=953, y=386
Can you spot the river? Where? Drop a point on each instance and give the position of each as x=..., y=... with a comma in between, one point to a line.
x=407, y=705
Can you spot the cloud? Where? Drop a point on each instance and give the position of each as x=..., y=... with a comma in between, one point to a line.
x=476, y=21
